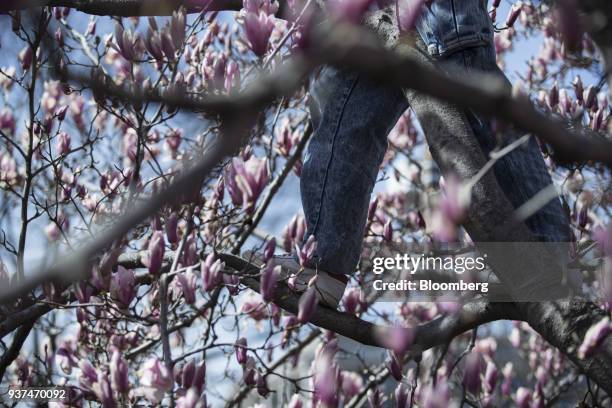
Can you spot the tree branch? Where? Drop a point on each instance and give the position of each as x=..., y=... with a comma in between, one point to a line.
x=125, y=8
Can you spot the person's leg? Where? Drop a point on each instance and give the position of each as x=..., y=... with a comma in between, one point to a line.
x=459, y=35
x=522, y=173
x=352, y=118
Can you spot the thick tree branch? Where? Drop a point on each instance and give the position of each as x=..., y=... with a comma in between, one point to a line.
x=13, y=351
x=562, y=323
x=438, y=331
x=125, y=8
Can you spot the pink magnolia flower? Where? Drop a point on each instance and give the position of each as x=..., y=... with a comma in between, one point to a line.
x=269, y=249
x=193, y=376
x=125, y=42
x=396, y=338
x=388, y=231
x=173, y=140
x=91, y=27
x=253, y=306
x=590, y=97
x=246, y=180
x=375, y=398
x=88, y=377
x=26, y=57
x=594, y=337
x=515, y=337
x=450, y=210
x=269, y=278
x=191, y=399
x=394, y=364
x=490, y=377
x=65, y=357
x=514, y=13
x=351, y=384
x=307, y=251
x=60, y=112
x=507, y=384
x=295, y=401
x=219, y=68
x=249, y=371
x=486, y=346
x=293, y=233
x=177, y=28
x=231, y=282
x=471, y=373
x=553, y=95
x=448, y=305
x=52, y=232
x=436, y=397
x=119, y=373
x=7, y=121
x=352, y=300
x=211, y=272
x=241, y=350
x=565, y=102
x=122, y=286
x=190, y=253
x=598, y=119
x=284, y=138
x=262, y=385
x=401, y=396
x=155, y=253
x=104, y=392
x=523, y=397
x=172, y=228
x=187, y=374
x=578, y=88
x=455, y=200
x=59, y=37
x=542, y=376
x=307, y=305
x=153, y=46
x=155, y=380
x=232, y=77
x=603, y=236
x=167, y=45
x=258, y=28
x=372, y=209
x=326, y=379
x=187, y=282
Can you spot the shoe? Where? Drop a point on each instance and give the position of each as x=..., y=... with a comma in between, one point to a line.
x=329, y=287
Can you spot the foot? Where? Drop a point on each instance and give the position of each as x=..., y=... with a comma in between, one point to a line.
x=329, y=287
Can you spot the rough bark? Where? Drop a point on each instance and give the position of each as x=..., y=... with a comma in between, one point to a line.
x=562, y=323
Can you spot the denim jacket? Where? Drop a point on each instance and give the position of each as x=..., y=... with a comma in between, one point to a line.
x=447, y=26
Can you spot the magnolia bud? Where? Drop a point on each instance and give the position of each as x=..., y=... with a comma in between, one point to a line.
x=155, y=255
x=401, y=396
x=394, y=365
x=307, y=305
x=514, y=13
x=241, y=350
x=268, y=252
x=262, y=386
x=25, y=58
x=269, y=278
x=471, y=373
x=119, y=373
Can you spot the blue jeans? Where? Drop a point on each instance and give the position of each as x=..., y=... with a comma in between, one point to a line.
x=353, y=116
